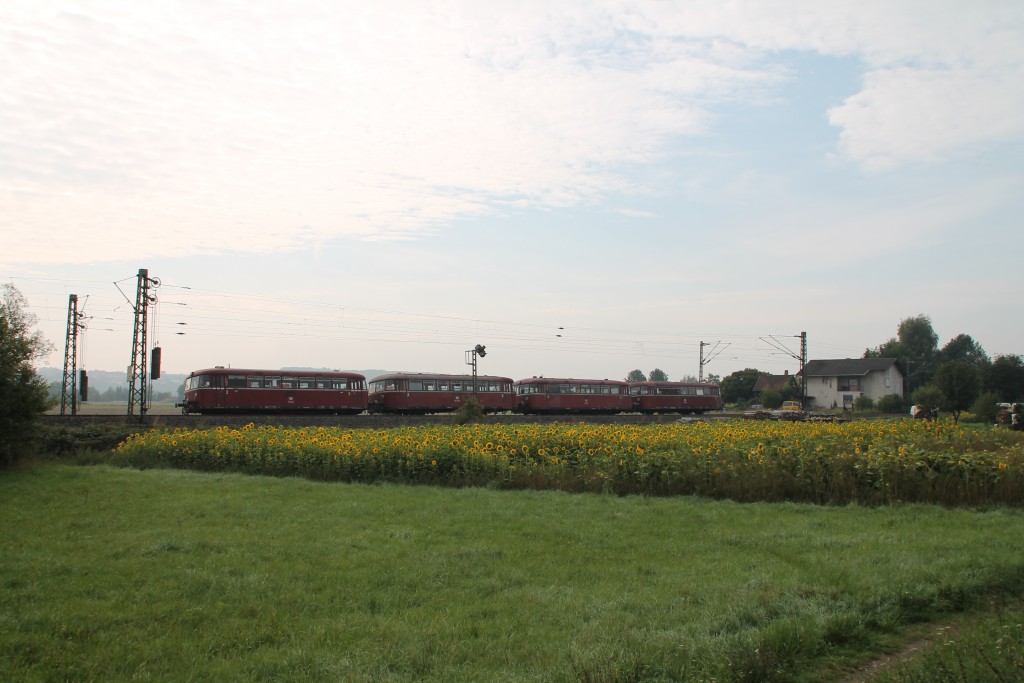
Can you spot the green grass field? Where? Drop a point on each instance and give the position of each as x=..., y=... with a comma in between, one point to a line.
x=118, y=574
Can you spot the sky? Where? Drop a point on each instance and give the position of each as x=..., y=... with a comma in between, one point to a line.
x=584, y=188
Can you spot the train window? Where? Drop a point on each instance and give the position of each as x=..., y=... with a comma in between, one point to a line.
x=236, y=381
x=429, y=385
x=493, y=386
x=456, y=386
x=272, y=382
x=443, y=385
x=323, y=383
x=306, y=383
x=415, y=385
x=339, y=383
x=289, y=382
x=700, y=391
x=254, y=381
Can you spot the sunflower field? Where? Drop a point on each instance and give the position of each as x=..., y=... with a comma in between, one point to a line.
x=867, y=462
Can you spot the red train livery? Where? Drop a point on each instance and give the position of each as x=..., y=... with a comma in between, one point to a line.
x=421, y=393
x=675, y=397
x=593, y=396
x=232, y=390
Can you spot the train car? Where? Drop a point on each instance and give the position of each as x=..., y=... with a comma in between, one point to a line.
x=693, y=398
x=422, y=393
x=233, y=390
x=540, y=395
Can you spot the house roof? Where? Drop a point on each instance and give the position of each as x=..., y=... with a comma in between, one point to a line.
x=848, y=367
x=772, y=382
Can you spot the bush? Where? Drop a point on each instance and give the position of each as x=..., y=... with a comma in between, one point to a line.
x=863, y=403
x=986, y=407
x=892, y=404
x=470, y=411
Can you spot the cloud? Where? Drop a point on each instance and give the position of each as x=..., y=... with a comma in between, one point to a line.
x=134, y=129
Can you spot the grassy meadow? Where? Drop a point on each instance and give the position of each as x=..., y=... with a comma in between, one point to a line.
x=121, y=574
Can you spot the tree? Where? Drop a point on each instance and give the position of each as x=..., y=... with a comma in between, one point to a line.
x=963, y=347
x=23, y=393
x=711, y=379
x=658, y=375
x=636, y=376
x=916, y=347
x=960, y=385
x=1005, y=377
x=739, y=386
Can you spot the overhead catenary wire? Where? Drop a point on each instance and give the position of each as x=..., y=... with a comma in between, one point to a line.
x=205, y=313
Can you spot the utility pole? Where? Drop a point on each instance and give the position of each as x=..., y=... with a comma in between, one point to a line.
x=803, y=364
x=801, y=358
x=137, y=379
x=478, y=350
x=704, y=361
x=68, y=388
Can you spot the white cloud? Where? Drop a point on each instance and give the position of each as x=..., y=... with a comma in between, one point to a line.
x=132, y=129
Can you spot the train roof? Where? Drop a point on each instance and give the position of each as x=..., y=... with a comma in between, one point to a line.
x=290, y=373
x=430, y=375
x=655, y=383
x=557, y=380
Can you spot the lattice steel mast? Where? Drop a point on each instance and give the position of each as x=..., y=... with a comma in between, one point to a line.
x=69, y=384
x=137, y=370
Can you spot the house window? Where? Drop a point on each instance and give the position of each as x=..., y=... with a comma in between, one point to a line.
x=849, y=384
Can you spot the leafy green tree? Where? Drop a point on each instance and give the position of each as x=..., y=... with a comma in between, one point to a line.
x=1005, y=377
x=24, y=395
x=710, y=378
x=658, y=375
x=960, y=385
x=739, y=386
x=916, y=346
x=963, y=347
x=636, y=376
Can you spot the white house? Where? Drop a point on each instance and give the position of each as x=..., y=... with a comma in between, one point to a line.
x=838, y=383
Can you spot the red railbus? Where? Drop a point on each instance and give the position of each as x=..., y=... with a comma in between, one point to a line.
x=235, y=390
x=422, y=393
x=694, y=398
x=594, y=396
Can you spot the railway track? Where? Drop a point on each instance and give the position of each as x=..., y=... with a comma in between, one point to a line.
x=170, y=421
